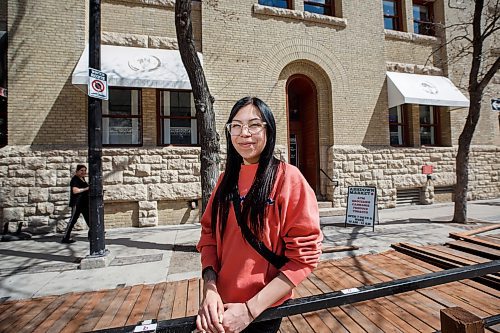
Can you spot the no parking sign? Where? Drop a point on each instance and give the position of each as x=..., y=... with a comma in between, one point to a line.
x=98, y=84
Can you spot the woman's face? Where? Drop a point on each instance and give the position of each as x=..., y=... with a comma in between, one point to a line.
x=249, y=145
x=82, y=172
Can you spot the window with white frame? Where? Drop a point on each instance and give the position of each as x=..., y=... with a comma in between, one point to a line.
x=177, y=118
x=397, y=126
x=122, y=118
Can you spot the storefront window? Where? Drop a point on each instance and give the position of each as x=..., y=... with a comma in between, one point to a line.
x=392, y=16
x=324, y=7
x=276, y=3
x=122, y=118
x=177, y=118
x=397, y=126
x=422, y=18
x=427, y=125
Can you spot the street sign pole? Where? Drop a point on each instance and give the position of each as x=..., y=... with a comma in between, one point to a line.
x=96, y=202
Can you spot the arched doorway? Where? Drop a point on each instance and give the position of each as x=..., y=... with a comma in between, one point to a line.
x=303, y=134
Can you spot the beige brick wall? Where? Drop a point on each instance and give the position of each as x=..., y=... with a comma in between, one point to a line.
x=177, y=212
x=121, y=214
x=44, y=108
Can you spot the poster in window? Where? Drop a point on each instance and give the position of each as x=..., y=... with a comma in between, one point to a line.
x=294, y=158
x=180, y=135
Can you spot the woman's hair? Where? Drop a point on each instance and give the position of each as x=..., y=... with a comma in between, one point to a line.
x=254, y=205
x=80, y=166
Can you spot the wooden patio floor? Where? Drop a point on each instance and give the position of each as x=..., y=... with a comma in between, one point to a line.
x=416, y=311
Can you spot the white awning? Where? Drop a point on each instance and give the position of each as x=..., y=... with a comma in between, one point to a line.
x=137, y=67
x=405, y=88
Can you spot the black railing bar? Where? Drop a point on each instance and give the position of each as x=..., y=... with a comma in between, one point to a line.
x=335, y=182
x=337, y=298
x=488, y=321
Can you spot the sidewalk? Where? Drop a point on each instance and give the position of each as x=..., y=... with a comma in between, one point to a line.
x=43, y=266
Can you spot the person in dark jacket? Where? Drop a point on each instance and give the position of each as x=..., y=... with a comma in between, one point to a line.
x=78, y=201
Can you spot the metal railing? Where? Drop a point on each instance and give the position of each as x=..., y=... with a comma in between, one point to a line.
x=335, y=182
x=337, y=298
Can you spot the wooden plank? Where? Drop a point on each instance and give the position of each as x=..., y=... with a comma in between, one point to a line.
x=447, y=300
x=97, y=312
x=110, y=313
x=59, y=325
x=474, y=259
x=418, y=263
x=429, y=251
x=413, y=304
x=166, y=306
x=180, y=299
x=287, y=326
x=42, y=315
x=386, y=315
x=9, y=323
x=477, y=230
x=80, y=317
x=140, y=305
x=70, y=299
x=126, y=307
x=300, y=324
x=313, y=319
x=11, y=308
x=193, y=297
x=153, y=307
x=475, y=239
x=481, y=250
x=470, y=295
x=488, y=239
x=39, y=305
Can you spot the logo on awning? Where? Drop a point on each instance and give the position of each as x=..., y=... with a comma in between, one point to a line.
x=429, y=88
x=146, y=63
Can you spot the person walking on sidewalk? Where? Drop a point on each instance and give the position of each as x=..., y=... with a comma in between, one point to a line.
x=260, y=234
x=78, y=201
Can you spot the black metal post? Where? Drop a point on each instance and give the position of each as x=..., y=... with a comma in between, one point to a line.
x=96, y=203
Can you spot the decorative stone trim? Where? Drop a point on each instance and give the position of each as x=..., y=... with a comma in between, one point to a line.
x=413, y=68
x=299, y=15
x=412, y=37
x=121, y=39
x=157, y=42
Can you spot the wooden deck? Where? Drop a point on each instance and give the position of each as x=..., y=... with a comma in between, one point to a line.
x=416, y=311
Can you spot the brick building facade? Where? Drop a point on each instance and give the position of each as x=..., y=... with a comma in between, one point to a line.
x=321, y=65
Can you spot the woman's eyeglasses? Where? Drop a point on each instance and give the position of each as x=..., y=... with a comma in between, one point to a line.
x=253, y=127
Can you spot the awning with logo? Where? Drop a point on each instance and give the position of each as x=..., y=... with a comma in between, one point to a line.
x=137, y=67
x=405, y=88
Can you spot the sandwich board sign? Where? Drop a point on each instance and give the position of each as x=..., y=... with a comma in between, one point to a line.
x=98, y=84
x=362, y=206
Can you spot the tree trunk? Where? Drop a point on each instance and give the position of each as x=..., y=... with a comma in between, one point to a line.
x=205, y=116
x=462, y=159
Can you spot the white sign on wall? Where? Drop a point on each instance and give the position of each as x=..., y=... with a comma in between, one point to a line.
x=98, y=84
x=361, y=206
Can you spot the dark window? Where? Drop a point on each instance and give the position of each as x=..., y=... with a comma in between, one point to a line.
x=398, y=126
x=422, y=18
x=324, y=7
x=276, y=3
x=3, y=121
x=3, y=90
x=177, y=119
x=392, y=14
x=122, y=118
x=428, y=125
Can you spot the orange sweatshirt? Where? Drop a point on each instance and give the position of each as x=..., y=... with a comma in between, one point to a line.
x=292, y=229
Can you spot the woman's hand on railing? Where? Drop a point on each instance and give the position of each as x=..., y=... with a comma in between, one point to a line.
x=210, y=314
x=236, y=317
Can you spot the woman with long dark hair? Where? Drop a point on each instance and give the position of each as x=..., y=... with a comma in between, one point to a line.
x=259, y=202
x=78, y=201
